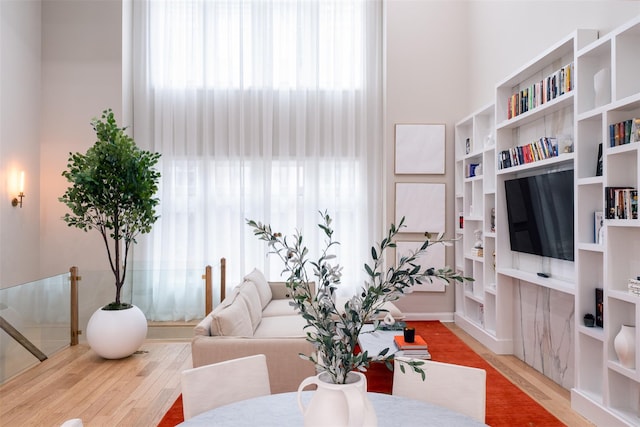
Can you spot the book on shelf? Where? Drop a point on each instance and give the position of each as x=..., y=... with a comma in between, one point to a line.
x=599, y=161
x=621, y=202
x=527, y=98
x=418, y=344
x=473, y=169
x=597, y=226
x=624, y=132
x=635, y=130
x=415, y=354
x=544, y=148
x=599, y=307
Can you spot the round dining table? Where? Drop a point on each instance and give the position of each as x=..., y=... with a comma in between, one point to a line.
x=280, y=410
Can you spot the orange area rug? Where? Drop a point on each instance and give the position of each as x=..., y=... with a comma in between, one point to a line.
x=507, y=405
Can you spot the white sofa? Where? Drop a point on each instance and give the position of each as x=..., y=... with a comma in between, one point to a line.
x=257, y=318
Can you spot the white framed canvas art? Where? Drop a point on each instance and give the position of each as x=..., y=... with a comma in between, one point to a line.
x=434, y=256
x=420, y=148
x=422, y=205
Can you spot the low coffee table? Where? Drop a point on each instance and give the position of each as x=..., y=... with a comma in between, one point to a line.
x=374, y=342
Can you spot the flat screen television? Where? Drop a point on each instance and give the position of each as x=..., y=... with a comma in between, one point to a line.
x=540, y=214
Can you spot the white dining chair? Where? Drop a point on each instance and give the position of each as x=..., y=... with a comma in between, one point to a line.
x=459, y=388
x=74, y=422
x=210, y=386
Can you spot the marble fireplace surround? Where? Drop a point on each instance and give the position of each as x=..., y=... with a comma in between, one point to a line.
x=543, y=332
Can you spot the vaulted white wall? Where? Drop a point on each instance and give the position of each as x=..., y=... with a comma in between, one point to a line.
x=505, y=35
x=20, y=96
x=61, y=65
x=444, y=59
x=81, y=76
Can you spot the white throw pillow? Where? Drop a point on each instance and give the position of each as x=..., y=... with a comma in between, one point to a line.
x=232, y=320
x=249, y=293
x=264, y=290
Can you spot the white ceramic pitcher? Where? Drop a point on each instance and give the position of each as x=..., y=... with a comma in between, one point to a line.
x=338, y=405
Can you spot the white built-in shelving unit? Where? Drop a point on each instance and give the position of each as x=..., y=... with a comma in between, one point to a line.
x=476, y=302
x=604, y=391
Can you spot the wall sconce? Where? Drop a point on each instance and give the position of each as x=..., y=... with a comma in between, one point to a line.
x=17, y=201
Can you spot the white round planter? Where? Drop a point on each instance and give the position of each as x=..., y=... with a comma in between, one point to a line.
x=115, y=334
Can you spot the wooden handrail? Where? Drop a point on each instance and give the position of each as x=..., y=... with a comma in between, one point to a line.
x=74, y=325
x=21, y=339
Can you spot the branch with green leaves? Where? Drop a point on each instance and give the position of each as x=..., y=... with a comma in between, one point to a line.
x=334, y=330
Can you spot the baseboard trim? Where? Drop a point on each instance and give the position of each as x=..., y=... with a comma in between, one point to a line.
x=443, y=317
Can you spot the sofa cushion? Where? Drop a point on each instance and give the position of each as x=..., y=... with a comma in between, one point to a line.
x=264, y=290
x=282, y=327
x=249, y=294
x=231, y=318
x=279, y=307
x=204, y=327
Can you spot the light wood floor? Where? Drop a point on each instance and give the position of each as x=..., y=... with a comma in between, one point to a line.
x=137, y=391
x=547, y=393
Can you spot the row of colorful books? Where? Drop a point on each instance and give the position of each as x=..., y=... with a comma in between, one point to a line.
x=621, y=202
x=544, y=148
x=417, y=349
x=624, y=132
x=550, y=87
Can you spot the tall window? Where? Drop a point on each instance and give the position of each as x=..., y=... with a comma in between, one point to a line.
x=265, y=110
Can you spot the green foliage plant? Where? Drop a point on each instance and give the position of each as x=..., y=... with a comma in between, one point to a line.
x=334, y=330
x=112, y=189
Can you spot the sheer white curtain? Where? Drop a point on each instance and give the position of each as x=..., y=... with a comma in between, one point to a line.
x=265, y=110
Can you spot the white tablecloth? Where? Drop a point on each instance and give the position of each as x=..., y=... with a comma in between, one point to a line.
x=281, y=410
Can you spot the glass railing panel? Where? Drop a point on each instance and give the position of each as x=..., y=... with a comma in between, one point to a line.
x=172, y=295
x=163, y=295
x=39, y=311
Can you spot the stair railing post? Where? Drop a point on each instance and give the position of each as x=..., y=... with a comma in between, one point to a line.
x=74, y=324
x=208, y=291
x=223, y=279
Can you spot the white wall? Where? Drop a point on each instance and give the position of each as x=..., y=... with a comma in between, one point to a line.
x=505, y=35
x=426, y=82
x=444, y=59
x=19, y=139
x=82, y=76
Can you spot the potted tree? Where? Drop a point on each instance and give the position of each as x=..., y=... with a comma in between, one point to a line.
x=112, y=189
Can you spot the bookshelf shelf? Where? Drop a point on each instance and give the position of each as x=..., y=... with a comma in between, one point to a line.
x=540, y=164
x=473, y=297
x=595, y=332
x=592, y=180
x=623, y=149
x=473, y=178
x=563, y=286
x=563, y=101
x=592, y=247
